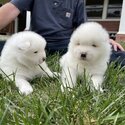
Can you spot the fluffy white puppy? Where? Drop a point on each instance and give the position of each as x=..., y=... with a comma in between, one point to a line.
x=89, y=51
x=23, y=58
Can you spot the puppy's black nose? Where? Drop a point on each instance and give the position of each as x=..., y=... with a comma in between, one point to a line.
x=44, y=58
x=83, y=55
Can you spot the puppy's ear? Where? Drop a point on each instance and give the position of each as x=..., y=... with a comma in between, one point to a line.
x=24, y=45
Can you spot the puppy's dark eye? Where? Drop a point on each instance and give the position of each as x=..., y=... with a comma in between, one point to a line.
x=36, y=52
x=94, y=45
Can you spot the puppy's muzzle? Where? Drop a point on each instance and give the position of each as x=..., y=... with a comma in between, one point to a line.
x=42, y=60
x=83, y=55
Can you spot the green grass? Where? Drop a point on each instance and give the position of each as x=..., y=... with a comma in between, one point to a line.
x=47, y=105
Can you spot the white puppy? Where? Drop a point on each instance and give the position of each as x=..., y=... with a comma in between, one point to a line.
x=89, y=51
x=23, y=58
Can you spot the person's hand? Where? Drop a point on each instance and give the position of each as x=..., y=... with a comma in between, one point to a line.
x=116, y=46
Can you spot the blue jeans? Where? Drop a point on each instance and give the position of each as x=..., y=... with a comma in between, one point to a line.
x=1, y=45
x=118, y=57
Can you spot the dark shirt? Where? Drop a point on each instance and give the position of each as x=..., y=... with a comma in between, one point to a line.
x=55, y=20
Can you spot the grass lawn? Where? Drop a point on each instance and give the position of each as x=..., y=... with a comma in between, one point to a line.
x=47, y=105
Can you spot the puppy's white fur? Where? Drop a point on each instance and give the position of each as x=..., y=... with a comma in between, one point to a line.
x=89, y=50
x=24, y=55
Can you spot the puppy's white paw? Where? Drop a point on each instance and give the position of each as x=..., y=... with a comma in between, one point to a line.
x=25, y=89
x=93, y=89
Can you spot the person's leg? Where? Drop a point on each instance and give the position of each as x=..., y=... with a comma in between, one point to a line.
x=118, y=57
x=1, y=45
